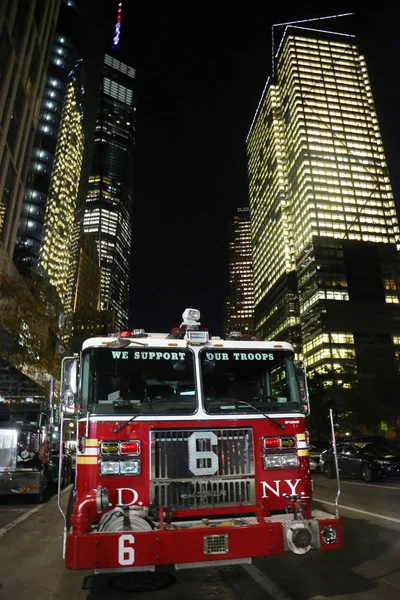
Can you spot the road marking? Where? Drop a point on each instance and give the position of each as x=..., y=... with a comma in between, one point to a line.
x=22, y=518
x=391, y=584
x=266, y=583
x=381, y=487
x=358, y=510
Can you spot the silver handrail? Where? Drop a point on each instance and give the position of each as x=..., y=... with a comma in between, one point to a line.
x=336, y=463
x=60, y=466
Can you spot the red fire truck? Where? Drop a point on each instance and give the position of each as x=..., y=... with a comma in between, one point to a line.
x=191, y=451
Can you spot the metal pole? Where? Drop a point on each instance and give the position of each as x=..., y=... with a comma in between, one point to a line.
x=51, y=398
x=336, y=464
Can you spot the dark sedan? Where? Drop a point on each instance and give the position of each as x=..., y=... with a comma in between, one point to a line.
x=366, y=460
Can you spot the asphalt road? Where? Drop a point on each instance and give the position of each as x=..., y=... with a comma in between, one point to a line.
x=367, y=568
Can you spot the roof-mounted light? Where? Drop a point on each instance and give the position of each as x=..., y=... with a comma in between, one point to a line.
x=125, y=334
x=196, y=338
x=139, y=333
x=177, y=333
x=191, y=315
x=244, y=337
x=235, y=335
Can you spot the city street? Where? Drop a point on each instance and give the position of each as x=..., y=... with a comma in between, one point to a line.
x=367, y=567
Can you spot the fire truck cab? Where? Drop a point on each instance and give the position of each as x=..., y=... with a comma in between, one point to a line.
x=191, y=451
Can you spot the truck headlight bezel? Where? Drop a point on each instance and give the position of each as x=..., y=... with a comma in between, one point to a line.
x=130, y=467
x=281, y=461
x=109, y=467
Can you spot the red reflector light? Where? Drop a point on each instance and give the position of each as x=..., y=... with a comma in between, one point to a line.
x=270, y=442
x=124, y=334
x=130, y=447
x=177, y=329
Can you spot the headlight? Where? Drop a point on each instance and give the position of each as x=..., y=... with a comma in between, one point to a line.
x=108, y=467
x=382, y=462
x=130, y=467
x=280, y=461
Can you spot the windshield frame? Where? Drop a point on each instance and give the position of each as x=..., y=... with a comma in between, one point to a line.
x=148, y=407
x=248, y=407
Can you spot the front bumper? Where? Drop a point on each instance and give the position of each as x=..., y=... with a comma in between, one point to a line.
x=196, y=546
x=20, y=482
x=389, y=471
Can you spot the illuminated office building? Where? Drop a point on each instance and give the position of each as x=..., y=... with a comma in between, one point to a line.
x=108, y=209
x=240, y=306
x=83, y=317
x=323, y=219
x=26, y=36
x=63, y=58
x=83, y=286
x=54, y=255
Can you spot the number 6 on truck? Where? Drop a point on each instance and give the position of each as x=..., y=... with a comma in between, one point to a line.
x=126, y=554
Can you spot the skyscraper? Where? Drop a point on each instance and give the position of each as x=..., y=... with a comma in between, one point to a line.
x=240, y=304
x=324, y=224
x=54, y=254
x=108, y=209
x=83, y=317
x=26, y=35
x=64, y=56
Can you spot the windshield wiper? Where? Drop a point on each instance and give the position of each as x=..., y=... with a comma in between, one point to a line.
x=125, y=423
x=261, y=413
x=124, y=342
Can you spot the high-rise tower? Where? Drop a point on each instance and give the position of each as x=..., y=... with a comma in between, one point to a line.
x=26, y=35
x=54, y=254
x=108, y=209
x=64, y=56
x=323, y=219
x=240, y=304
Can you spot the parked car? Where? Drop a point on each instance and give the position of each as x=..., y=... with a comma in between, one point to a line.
x=314, y=452
x=367, y=460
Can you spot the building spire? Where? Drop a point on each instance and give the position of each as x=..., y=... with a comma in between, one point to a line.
x=117, y=30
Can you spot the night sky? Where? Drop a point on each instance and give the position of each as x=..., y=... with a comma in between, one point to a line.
x=200, y=75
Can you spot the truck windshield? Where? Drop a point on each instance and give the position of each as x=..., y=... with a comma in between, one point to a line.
x=154, y=381
x=236, y=381
x=19, y=416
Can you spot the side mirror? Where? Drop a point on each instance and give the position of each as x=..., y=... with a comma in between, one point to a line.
x=69, y=382
x=302, y=379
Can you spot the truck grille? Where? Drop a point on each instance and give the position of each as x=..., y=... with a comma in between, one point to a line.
x=8, y=449
x=202, y=468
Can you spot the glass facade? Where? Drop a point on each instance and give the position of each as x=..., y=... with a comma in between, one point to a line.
x=54, y=255
x=26, y=37
x=63, y=58
x=240, y=305
x=318, y=183
x=108, y=209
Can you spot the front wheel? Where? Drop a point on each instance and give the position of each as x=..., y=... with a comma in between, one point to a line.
x=367, y=473
x=329, y=470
